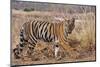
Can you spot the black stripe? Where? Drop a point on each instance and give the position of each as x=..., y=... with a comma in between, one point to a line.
x=32, y=42
x=46, y=39
x=35, y=24
x=22, y=45
x=33, y=38
x=41, y=22
x=36, y=31
x=33, y=31
x=45, y=30
x=46, y=27
x=50, y=33
x=49, y=38
x=21, y=39
x=53, y=31
x=42, y=27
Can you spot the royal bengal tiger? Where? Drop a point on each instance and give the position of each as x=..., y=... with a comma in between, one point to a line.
x=46, y=31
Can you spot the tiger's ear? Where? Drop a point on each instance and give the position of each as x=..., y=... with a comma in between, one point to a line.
x=69, y=21
x=72, y=20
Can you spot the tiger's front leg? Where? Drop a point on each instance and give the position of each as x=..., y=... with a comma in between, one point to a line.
x=71, y=51
x=30, y=51
x=59, y=53
x=56, y=50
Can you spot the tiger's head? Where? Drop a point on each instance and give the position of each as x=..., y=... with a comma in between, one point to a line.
x=69, y=25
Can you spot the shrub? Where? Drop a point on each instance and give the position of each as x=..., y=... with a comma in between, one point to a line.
x=29, y=9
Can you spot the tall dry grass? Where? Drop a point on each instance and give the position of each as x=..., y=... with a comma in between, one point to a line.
x=84, y=31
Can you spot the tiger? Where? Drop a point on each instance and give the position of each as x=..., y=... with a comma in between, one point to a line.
x=46, y=31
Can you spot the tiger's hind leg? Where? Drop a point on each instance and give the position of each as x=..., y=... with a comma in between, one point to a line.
x=30, y=49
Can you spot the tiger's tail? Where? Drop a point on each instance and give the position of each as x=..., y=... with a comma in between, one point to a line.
x=19, y=48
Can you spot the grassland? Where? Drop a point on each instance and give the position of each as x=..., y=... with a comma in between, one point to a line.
x=82, y=38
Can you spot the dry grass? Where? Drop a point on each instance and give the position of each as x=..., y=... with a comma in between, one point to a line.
x=82, y=37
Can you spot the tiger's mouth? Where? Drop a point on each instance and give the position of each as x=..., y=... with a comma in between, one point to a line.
x=69, y=32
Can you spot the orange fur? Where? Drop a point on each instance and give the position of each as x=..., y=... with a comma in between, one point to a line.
x=59, y=32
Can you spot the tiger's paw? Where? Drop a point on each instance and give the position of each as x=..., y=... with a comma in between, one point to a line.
x=74, y=54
